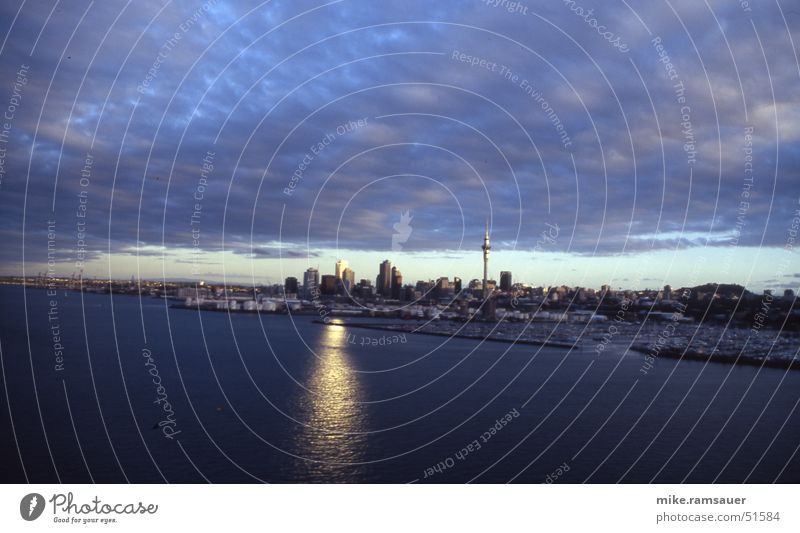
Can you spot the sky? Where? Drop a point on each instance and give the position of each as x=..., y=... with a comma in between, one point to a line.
x=633, y=143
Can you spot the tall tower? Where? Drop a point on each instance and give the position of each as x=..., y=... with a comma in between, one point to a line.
x=486, y=247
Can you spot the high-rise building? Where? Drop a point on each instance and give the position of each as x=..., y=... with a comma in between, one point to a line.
x=457, y=285
x=348, y=279
x=311, y=283
x=486, y=247
x=341, y=266
x=384, y=280
x=290, y=286
x=505, y=281
x=397, y=283
x=328, y=285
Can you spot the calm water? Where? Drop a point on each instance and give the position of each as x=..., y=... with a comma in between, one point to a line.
x=281, y=399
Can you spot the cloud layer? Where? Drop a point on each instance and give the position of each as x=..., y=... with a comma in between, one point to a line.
x=318, y=124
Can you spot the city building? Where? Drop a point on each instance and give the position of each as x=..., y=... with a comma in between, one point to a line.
x=290, y=287
x=310, y=283
x=505, y=281
x=383, y=283
x=348, y=279
x=397, y=283
x=341, y=266
x=328, y=285
x=364, y=289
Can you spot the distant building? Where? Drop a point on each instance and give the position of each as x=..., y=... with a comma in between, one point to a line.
x=457, y=285
x=348, y=279
x=328, y=285
x=505, y=281
x=397, y=283
x=409, y=294
x=364, y=289
x=341, y=266
x=290, y=286
x=443, y=287
x=310, y=283
x=383, y=283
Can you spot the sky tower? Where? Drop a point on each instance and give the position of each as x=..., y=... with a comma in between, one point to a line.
x=486, y=247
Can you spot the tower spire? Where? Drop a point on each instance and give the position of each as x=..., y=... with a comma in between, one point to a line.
x=486, y=247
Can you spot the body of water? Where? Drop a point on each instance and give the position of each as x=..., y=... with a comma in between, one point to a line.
x=144, y=393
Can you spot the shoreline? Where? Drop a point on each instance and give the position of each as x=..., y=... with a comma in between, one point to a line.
x=728, y=359
x=402, y=328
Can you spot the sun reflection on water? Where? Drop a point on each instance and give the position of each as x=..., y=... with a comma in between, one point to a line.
x=331, y=408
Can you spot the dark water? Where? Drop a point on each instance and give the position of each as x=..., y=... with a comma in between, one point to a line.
x=278, y=399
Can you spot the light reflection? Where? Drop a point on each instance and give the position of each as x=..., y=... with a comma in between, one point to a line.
x=331, y=408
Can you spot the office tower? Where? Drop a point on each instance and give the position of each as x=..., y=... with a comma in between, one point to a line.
x=384, y=280
x=290, y=287
x=310, y=283
x=348, y=279
x=328, y=285
x=505, y=281
x=341, y=266
x=397, y=283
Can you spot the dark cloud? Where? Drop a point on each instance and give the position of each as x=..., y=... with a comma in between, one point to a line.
x=278, y=88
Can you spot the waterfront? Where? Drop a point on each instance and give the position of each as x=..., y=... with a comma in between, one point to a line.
x=280, y=399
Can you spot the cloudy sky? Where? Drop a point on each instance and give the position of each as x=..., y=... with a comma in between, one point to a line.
x=652, y=142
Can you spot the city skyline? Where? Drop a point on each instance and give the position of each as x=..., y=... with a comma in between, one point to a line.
x=645, y=283
x=387, y=272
